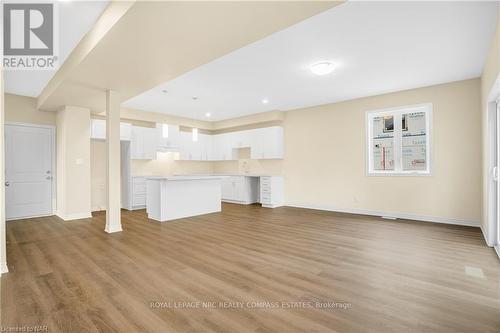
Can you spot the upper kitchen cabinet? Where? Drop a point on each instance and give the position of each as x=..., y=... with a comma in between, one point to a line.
x=195, y=149
x=144, y=143
x=264, y=143
x=168, y=137
x=98, y=130
x=223, y=147
x=241, y=139
x=267, y=143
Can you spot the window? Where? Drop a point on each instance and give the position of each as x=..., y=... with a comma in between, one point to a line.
x=398, y=141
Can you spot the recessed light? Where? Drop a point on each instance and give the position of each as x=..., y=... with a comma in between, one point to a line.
x=194, y=98
x=208, y=114
x=265, y=101
x=322, y=67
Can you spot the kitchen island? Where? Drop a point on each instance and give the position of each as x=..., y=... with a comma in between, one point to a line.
x=175, y=197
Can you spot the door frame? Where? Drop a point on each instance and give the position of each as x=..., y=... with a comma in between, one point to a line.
x=53, y=163
x=492, y=152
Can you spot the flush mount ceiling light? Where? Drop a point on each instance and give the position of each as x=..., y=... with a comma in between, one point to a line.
x=208, y=114
x=322, y=67
x=265, y=101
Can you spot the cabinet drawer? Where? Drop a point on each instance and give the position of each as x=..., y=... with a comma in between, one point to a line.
x=265, y=198
x=139, y=200
x=139, y=188
x=265, y=179
x=139, y=179
x=264, y=190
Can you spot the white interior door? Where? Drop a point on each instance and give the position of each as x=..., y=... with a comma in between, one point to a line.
x=28, y=171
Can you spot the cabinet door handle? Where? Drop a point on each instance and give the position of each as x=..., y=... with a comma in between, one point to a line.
x=7, y=183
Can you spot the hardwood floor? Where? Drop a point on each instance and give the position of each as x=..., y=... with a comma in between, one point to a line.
x=386, y=276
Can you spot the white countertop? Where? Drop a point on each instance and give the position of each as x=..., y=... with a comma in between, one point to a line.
x=185, y=177
x=238, y=174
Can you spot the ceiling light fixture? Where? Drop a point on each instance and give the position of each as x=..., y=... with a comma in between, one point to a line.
x=164, y=91
x=208, y=114
x=265, y=101
x=322, y=67
x=195, y=98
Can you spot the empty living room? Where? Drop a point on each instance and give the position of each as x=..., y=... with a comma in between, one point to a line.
x=250, y=166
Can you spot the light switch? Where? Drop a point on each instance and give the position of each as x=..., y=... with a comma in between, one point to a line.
x=79, y=161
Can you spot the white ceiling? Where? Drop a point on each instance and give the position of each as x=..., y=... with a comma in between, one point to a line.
x=76, y=18
x=379, y=47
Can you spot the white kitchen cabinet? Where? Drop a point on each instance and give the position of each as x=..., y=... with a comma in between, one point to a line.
x=201, y=150
x=138, y=195
x=187, y=146
x=271, y=191
x=171, y=141
x=144, y=143
x=125, y=131
x=224, y=147
x=205, y=142
x=264, y=143
x=98, y=130
x=267, y=143
x=240, y=189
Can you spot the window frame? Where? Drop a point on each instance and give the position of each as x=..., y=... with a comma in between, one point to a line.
x=397, y=113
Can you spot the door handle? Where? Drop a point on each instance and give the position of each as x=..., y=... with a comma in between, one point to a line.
x=7, y=183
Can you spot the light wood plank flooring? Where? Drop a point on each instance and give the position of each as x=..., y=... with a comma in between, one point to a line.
x=386, y=276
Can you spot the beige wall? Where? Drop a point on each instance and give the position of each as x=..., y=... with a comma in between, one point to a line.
x=98, y=175
x=490, y=74
x=22, y=109
x=246, y=165
x=169, y=166
x=324, y=163
x=73, y=163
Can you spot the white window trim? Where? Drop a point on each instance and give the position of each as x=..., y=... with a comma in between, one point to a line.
x=426, y=107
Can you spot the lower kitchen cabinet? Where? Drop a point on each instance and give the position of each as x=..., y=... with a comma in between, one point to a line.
x=138, y=193
x=267, y=190
x=240, y=189
x=271, y=191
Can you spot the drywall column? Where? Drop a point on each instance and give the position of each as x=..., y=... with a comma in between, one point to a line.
x=73, y=163
x=3, y=240
x=113, y=214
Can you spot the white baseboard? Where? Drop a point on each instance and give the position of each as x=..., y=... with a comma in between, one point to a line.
x=112, y=229
x=28, y=217
x=405, y=216
x=485, y=235
x=238, y=202
x=3, y=268
x=497, y=250
x=74, y=216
